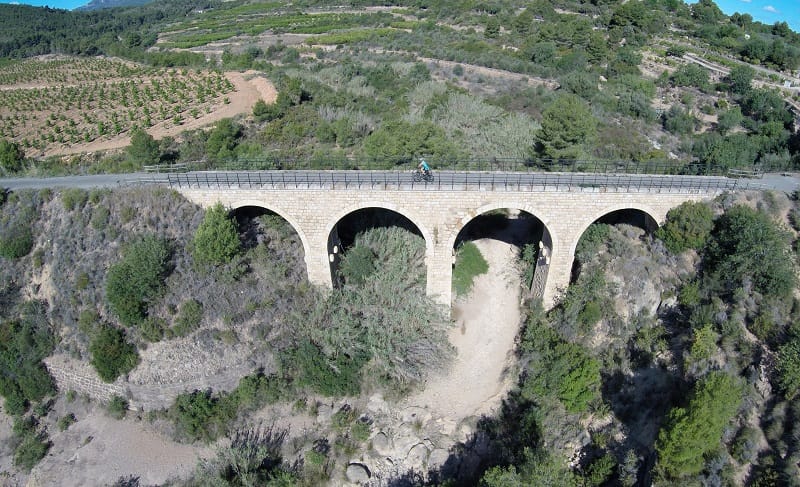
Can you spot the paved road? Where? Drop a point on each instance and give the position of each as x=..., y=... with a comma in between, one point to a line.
x=445, y=180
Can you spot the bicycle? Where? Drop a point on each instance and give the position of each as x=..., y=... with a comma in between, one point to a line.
x=419, y=176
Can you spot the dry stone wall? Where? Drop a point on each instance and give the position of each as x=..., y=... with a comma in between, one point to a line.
x=79, y=376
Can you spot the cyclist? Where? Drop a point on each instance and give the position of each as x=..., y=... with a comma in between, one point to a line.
x=423, y=166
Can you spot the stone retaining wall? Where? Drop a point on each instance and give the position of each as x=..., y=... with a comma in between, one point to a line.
x=79, y=376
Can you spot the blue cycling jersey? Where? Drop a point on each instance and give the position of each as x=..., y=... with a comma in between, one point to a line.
x=424, y=166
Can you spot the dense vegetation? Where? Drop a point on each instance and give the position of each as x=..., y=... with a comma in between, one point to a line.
x=139, y=266
x=683, y=383
x=669, y=360
x=623, y=88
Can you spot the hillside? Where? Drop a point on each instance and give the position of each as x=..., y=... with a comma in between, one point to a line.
x=462, y=82
x=101, y=4
x=147, y=341
x=206, y=326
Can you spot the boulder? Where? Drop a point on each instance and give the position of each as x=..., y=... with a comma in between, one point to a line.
x=418, y=456
x=357, y=473
x=382, y=445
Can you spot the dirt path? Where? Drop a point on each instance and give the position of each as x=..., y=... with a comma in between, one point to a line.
x=486, y=325
x=247, y=90
x=98, y=450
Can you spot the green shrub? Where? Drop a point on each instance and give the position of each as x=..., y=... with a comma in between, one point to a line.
x=143, y=149
x=152, y=329
x=398, y=141
x=11, y=156
x=528, y=259
x=591, y=240
x=112, y=355
x=37, y=259
x=469, y=264
x=204, y=416
x=679, y=121
x=216, y=240
x=745, y=446
x=15, y=403
x=600, y=470
x=256, y=390
x=117, y=407
x=137, y=279
x=16, y=241
x=765, y=328
x=567, y=124
x=32, y=448
x=704, y=343
x=74, y=198
x=693, y=432
x=591, y=313
x=64, y=422
x=360, y=431
x=127, y=214
x=330, y=376
x=788, y=368
x=200, y=416
x=23, y=345
x=689, y=295
x=357, y=265
x=100, y=217
x=558, y=368
x=190, y=313
x=688, y=226
x=748, y=245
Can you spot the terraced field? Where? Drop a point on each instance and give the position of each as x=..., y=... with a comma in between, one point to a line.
x=49, y=105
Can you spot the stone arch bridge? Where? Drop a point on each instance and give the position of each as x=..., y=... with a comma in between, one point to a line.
x=314, y=207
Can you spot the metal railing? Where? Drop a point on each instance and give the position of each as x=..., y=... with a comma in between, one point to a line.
x=452, y=181
x=484, y=164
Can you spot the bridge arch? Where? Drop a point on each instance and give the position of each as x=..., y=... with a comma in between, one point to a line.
x=411, y=216
x=237, y=204
x=332, y=257
x=548, y=240
x=652, y=219
x=502, y=205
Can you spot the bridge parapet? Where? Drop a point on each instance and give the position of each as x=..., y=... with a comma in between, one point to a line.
x=454, y=181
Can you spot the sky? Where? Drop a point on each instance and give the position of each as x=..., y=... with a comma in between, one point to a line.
x=67, y=4
x=766, y=11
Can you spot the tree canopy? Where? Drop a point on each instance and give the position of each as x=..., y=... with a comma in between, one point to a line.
x=566, y=124
x=748, y=245
x=137, y=278
x=216, y=240
x=11, y=156
x=144, y=148
x=694, y=431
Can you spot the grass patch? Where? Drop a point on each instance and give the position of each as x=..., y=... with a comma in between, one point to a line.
x=469, y=264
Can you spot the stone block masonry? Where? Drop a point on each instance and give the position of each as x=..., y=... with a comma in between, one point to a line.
x=440, y=216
